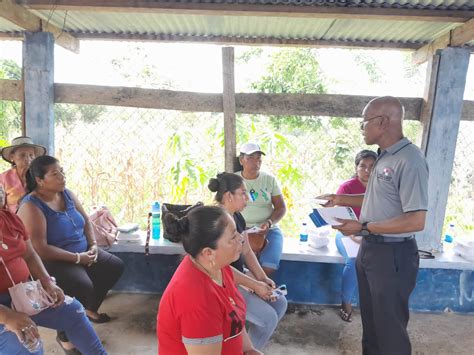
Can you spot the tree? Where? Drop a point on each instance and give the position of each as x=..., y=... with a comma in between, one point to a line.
x=10, y=111
x=292, y=71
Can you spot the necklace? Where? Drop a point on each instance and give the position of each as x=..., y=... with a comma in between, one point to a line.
x=253, y=194
x=216, y=280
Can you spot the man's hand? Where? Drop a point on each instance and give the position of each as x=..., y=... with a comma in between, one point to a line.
x=348, y=226
x=332, y=199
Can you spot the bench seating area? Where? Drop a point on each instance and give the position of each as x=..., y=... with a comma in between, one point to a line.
x=313, y=276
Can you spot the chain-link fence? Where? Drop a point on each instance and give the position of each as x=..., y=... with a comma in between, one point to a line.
x=460, y=206
x=126, y=158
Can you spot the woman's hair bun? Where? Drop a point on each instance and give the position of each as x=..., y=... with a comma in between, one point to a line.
x=176, y=227
x=213, y=185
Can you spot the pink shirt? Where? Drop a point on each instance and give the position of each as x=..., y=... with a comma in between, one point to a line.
x=352, y=187
x=14, y=189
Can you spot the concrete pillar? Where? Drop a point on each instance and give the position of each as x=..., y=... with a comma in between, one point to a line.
x=38, y=79
x=441, y=118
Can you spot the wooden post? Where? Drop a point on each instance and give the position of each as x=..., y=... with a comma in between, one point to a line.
x=38, y=83
x=441, y=117
x=228, y=103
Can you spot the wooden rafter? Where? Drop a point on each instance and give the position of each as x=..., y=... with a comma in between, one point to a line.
x=29, y=22
x=335, y=12
x=236, y=40
x=454, y=38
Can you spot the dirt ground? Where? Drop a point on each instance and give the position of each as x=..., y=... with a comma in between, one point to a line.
x=303, y=331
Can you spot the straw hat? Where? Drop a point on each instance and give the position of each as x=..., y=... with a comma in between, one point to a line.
x=22, y=141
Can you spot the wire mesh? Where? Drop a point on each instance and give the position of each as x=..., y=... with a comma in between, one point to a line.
x=126, y=158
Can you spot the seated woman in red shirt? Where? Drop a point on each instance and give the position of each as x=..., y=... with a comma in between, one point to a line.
x=201, y=310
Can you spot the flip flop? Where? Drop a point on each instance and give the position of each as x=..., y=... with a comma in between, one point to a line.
x=346, y=317
x=103, y=318
x=66, y=351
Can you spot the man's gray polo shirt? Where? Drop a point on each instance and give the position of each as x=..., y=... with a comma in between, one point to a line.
x=398, y=184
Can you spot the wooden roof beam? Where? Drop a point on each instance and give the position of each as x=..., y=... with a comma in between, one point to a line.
x=29, y=22
x=334, y=12
x=454, y=38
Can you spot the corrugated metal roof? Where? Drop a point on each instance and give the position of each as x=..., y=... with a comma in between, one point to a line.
x=360, y=30
x=247, y=26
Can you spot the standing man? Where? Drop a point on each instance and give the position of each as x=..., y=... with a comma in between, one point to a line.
x=393, y=209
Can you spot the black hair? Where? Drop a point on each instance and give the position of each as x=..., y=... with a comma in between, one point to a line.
x=201, y=228
x=38, y=168
x=224, y=182
x=237, y=165
x=364, y=154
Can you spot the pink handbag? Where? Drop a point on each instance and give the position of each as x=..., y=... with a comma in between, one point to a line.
x=104, y=226
x=28, y=297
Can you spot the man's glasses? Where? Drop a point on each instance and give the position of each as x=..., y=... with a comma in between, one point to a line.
x=364, y=123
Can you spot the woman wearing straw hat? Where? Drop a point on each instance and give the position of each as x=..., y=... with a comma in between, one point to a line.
x=19, y=154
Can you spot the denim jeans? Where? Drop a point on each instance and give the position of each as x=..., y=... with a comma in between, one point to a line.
x=263, y=317
x=271, y=254
x=69, y=317
x=349, y=275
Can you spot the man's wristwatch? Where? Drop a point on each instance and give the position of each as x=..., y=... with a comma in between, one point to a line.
x=364, y=230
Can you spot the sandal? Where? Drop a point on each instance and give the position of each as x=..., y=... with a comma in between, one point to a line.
x=66, y=351
x=103, y=318
x=346, y=317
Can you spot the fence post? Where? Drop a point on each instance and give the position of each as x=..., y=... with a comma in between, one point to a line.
x=38, y=81
x=441, y=118
x=228, y=103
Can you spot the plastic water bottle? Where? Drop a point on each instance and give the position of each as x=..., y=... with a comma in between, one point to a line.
x=303, y=234
x=155, y=220
x=450, y=233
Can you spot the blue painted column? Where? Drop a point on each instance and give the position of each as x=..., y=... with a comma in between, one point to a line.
x=441, y=125
x=38, y=80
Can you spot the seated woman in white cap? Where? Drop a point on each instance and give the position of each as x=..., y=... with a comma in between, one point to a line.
x=266, y=205
x=19, y=154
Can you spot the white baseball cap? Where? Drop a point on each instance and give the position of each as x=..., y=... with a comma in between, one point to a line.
x=250, y=148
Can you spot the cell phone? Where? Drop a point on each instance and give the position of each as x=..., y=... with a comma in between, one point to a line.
x=254, y=229
x=280, y=291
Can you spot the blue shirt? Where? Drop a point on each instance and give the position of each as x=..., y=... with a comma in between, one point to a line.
x=64, y=230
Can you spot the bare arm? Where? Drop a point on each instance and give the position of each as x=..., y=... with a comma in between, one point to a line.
x=262, y=289
x=405, y=223
x=88, y=231
x=35, y=224
x=342, y=200
x=253, y=265
x=279, y=210
x=207, y=349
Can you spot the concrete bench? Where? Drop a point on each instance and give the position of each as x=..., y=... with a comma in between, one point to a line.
x=313, y=276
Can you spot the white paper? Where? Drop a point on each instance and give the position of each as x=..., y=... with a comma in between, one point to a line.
x=352, y=248
x=331, y=213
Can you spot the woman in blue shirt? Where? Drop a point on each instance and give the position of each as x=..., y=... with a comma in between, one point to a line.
x=62, y=235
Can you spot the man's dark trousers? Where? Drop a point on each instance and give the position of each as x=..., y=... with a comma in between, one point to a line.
x=386, y=273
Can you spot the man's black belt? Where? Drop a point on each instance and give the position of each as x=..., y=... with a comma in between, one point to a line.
x=375, y=238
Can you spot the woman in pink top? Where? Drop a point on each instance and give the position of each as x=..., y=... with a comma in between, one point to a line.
x=20, y=155
x=364, y=161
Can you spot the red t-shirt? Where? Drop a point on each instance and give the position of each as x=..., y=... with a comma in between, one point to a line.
x=14, y=236
x=195, y=310
x=352, y=187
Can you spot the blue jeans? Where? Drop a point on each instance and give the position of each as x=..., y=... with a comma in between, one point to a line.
x=271, y=254
x=349, y=275
x=263, y=317
x=69, y=317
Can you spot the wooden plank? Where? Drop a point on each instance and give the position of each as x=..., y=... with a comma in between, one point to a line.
x=441, y=143
x=303, y=11
x=11, y=90
x=429, y=98
x=454, y=38
x=228, y=104
x=38, y=80
x=32, y=23
x=233, y=40
x=265, y=104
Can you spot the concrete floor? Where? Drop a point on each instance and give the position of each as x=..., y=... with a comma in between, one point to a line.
x=301, y=332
